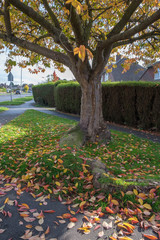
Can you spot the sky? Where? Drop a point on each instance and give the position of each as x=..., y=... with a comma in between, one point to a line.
x=28, y=77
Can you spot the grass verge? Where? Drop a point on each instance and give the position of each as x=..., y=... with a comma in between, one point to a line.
x=31, y=154
x=17, y=101
x=3, y=109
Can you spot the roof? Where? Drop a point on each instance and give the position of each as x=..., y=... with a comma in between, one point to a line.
x=135, y=72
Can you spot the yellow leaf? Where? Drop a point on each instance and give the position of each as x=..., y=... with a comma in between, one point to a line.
x=82, y=204
x=115, y=202
x=58, y=184
x=78, y=9
x=69, y=1
x=129, y=225
x=7, y=199
x=76, y=185
x=140, y=201
x=122, y=226
x=82, y=52
x=76, y=50
x=135, y=192
x=109, y=198
x=147, y=206
x=152, y=218
x=49, y=190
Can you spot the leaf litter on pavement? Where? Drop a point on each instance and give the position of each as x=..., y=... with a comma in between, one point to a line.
x=32, y=161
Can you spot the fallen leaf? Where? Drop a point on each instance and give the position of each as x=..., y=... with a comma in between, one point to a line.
x=101, y=234
x=73, y=219
x=70, y=225
x=150, y=237
x=47, y=230
x=147, y=206
x=39, y=228
x=109, y=210
x=66, y=215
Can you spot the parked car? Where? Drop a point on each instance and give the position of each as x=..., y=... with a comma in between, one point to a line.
x=17, y=92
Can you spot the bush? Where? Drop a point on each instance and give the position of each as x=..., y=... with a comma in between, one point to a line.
x=68, y=97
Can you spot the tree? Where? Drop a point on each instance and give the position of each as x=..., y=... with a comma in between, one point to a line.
x=82, y=35
x=26, y=88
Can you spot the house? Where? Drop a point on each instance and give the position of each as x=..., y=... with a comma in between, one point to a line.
x=136, y=72
x=154, y=70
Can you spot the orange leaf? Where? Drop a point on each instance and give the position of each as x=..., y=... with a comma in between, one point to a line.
x=47, y=230
x=29, y=226
x=24, y=215
x=73, y=219
x=142, y=195
x=150, y=237
x=124, y=238
x=109, y=210
x=49, y=211
x=66, y=215
x=25, y=205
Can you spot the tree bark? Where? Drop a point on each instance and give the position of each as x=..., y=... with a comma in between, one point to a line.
x=91, y=120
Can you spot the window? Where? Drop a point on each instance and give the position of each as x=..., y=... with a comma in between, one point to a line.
x=157, y=74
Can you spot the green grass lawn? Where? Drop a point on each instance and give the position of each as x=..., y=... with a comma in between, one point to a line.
x=3, y=109
x=17, y=101
x=30, y=153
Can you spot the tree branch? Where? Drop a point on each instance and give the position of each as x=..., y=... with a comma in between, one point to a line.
x=7, y=18
x=126, y=16
x=131, y=32
x=55, y=56
x=41, y=37
x=57, y=35
x=1, y=12
x=104, y=10
x=76, y=24
x=51, y=14
x=131, y=40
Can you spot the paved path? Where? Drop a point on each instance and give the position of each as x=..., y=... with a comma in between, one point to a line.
x=13, y=226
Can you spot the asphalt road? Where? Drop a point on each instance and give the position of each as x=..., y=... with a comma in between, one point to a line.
x=7, y=97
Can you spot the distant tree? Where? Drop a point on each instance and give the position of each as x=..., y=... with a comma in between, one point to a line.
x=83, y=35
x=26, y=88
x=55, y=77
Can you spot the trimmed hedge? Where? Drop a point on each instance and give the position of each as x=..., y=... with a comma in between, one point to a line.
x=68, y=97
x=44, y=93
x=134, y=104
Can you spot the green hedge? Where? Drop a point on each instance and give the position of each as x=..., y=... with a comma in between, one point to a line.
x=134, y=104
x=68, y=97
x=44, y=93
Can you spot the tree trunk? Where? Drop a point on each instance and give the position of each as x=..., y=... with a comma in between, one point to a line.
x=91, y=120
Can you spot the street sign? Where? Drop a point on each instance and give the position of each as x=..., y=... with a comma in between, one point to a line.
x=10, y=77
